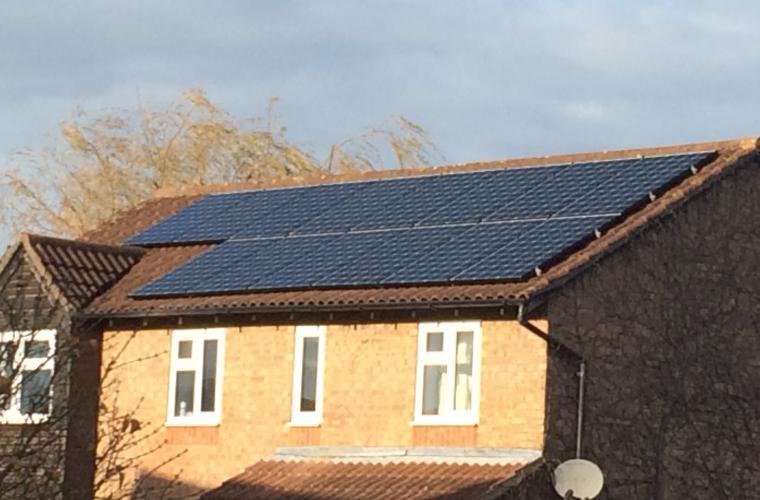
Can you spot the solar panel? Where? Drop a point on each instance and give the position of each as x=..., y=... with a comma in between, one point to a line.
x=520, y=256
x=301, y=261
x=204, y=220
x=631, y=184
x=471, y=226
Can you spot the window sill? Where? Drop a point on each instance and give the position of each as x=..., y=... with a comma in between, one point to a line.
x=444, y=422
x=302, y=423
x=12, y=418
x=192, y=423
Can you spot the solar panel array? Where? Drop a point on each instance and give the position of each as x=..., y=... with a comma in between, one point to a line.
x=454, y=227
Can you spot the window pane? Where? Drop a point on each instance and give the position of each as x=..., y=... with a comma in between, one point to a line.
x=185, y=349
x=463, y=379
x=35, y=391
x=36, y=349
x=434, y=390
x=7, y=354
x=435, y=342
x=208, y=388
x=183, y=394
x=309, y=374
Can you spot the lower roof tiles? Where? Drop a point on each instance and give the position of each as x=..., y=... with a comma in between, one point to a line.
x=346, y=480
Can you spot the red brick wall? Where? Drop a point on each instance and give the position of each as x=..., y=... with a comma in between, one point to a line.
x=369, y=394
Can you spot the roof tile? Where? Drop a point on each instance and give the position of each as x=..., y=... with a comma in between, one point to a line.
x=79, y=271
x=300, y=480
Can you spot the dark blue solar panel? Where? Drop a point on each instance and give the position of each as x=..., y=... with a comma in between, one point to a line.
x=484, y=225
x=302, y=261
x=499, y=189
x=630, y=184
x=378, y=257
x=275, y=212
x=224, y=268
x=444, y=261
x=203, y=220
x=570, y=183
x=506, y=194
x=534, y=247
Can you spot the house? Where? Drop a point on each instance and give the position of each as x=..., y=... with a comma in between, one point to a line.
x=434, y=333
x=49, y=360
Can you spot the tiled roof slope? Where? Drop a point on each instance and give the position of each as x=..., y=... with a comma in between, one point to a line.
x=132, y=221
x=161, y=260
x=77, y=272
x=313, y=480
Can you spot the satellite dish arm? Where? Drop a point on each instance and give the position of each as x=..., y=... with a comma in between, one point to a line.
x=581, y=389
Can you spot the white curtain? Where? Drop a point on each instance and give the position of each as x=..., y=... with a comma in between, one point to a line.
x=463, y=374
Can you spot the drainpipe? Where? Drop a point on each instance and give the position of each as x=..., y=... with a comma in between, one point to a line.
x=522, y=313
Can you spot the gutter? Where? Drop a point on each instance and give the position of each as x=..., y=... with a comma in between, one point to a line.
x=311, y=308
x=523, y=310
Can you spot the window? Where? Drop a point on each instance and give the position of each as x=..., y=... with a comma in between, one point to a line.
x=308, y=376
x=195, y=384
x=448, y=374
x=26, y=374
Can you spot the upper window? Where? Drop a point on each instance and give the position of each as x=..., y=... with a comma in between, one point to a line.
x=308, y=376
x=448, y=373
x=26, y=375
x=195, y=384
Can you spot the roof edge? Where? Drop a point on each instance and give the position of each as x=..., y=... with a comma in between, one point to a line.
x=745, y=143
x=43, y=275
x=131, y=249
x=10, y=252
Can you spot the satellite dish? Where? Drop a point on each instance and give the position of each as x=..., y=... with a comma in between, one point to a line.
x=583, y=478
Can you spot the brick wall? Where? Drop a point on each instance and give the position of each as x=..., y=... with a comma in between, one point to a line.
x=669, y=327
x=369, y=388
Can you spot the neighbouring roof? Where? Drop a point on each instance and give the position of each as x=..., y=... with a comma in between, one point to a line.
x=163, y=258
x=417, y=454
x=75, y=272
x=316, y=479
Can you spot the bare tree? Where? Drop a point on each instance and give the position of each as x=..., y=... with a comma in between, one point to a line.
x=41, y=350
x=125, y=441
x=106, y=163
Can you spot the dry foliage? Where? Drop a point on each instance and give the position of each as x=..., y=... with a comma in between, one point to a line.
x=110, y=162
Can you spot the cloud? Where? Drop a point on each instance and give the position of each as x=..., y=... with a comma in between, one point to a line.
x=488, y=78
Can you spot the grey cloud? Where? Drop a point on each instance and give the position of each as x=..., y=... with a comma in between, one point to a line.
x=488, y=78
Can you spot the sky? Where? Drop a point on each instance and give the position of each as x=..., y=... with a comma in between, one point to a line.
x=487, y=78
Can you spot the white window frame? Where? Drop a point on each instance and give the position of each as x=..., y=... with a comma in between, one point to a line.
x=300, y=418
x=447, y=358
x=195, y=363
x=22, y=364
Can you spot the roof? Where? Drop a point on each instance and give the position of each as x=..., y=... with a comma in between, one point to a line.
x=160, y=260
x=75, y=272
x=132, y=221
x=316, y=479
